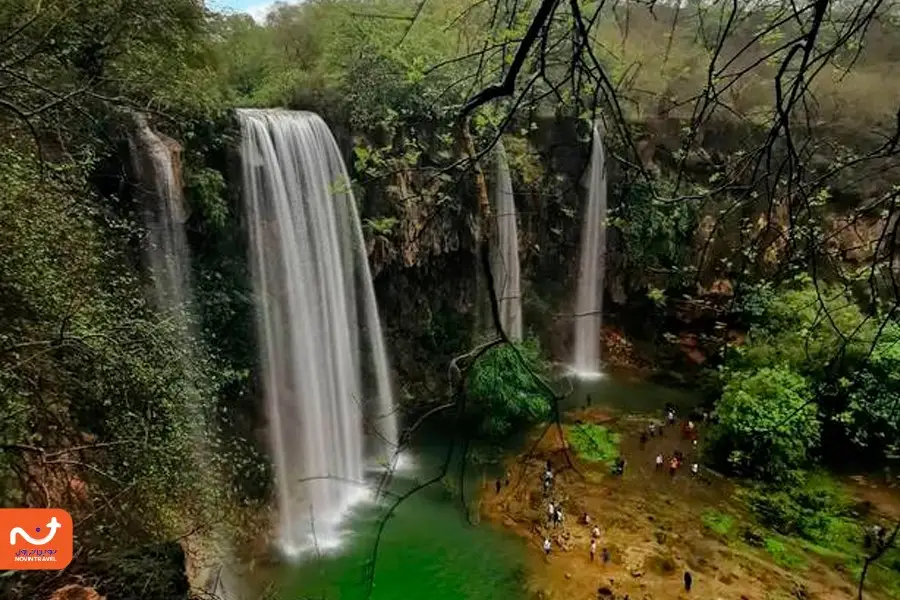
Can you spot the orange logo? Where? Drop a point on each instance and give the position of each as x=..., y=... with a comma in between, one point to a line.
x=35, y=538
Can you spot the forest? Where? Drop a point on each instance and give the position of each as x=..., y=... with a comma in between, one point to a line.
x=332, y=301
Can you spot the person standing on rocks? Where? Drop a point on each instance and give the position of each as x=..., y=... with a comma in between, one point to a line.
x=688, y=581
x=593, y=549
x=551, y=512
x=547, y=547
x=595, y=533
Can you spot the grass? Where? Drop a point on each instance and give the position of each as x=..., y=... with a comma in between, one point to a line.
x=717, y=522
x=593, y=442
x=783, y=555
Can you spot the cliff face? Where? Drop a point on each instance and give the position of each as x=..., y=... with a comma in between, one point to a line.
x=425, y=266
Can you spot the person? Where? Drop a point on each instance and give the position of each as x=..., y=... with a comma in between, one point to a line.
x=652, y=429
x=605, y=555
x=547, y=546
x=593, y=549
x=659, y=461
x=673, y=466
x=688, y=581
x=695, y=469
x=508, y=475
x=587, y=519
x=549, y=466
x=498, y=484
x=671, y=416
x=551, y=512
x=643, y=439
x=689, y=430
x=595, y=532
x=620, y=466
x=559, y=515
x=546, y=486
x=694, y=444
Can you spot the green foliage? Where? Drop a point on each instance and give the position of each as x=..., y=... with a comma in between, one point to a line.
x=503, y=392
x=593, y=442
x=717, y=522
x=782, y=555
x=656, y=234
x=814, y=507
x=83, y=358
x=851, y=360
x=383, y=226
x=767, y=424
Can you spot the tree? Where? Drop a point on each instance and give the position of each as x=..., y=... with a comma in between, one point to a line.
x=766, y=424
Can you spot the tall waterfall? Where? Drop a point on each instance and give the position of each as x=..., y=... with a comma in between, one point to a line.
x=592, y=265
x=505, y=261
x=316, y=311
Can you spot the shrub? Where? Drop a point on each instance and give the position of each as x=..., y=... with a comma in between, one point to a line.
x=814, y=508
x=717, y=522
x=503, y=389
x=593, y=442
x=767, y=425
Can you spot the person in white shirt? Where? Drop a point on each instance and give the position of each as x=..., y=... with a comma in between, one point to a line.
x=695, y=468
x=551, y=511
x=595, y=533
x=547, y=546
x=593, y=549
x=659, y=461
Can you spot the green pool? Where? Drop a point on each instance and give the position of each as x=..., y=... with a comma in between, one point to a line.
x=427, y=550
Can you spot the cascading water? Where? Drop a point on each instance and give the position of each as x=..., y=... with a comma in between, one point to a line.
x=312, y=281
x=505, y=261
x=592, y=266
x=164, y=217
x=155, y=161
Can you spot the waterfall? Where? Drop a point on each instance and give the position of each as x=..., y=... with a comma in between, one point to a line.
x=505, y=260
x=316, y=311
x=592, y=264
x=156, y=165
x=168, y=257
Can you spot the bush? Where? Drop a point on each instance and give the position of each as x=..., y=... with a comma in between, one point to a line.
x=503, y=389
x=814, y=508
x=593, y=442
x=767, y=424
x=851, y=360
x=717, y=522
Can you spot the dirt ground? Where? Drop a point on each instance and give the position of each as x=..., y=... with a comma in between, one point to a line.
x=650, y=522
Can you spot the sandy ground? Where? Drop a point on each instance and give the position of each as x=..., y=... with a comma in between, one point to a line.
x=650, y=523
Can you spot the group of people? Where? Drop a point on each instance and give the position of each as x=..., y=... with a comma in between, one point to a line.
x=554, y=509
x=677, y=459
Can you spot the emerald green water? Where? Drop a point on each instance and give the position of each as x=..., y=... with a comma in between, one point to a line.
x=427, y=550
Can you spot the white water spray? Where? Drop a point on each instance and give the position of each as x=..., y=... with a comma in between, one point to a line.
x=592, y=265
x=505, y=263
x=316, y=311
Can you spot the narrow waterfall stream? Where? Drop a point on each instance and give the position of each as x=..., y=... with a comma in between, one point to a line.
x=318, y=324
x=588, y=319
x=154, y=161
x=506, y=250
